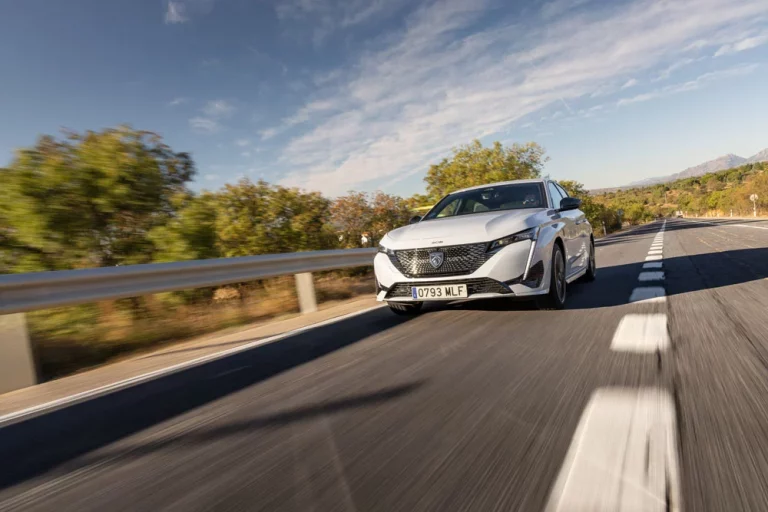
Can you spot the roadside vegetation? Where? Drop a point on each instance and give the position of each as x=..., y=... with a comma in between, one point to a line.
x=121, y=196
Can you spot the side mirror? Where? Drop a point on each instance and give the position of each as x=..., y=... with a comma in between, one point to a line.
x=569, y=203
x=414, y=220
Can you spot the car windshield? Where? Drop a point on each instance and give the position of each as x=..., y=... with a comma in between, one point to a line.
x=516, y=196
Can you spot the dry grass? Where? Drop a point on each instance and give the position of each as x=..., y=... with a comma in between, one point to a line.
x=71, y=339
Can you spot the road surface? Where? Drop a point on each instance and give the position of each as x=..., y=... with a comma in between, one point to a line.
x=482, y=406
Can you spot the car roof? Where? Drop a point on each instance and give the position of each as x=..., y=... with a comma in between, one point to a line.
x=486, y=185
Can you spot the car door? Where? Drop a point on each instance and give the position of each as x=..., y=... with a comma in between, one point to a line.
x=569, y=231
x=581, y=235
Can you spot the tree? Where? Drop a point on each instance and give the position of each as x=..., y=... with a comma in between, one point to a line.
x=259, y=218
x=474, y=164
x=191, y=233
x=89, y=199
x=351, y=217
x=387, y=213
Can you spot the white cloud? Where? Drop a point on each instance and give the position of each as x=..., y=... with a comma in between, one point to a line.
x=245, y=154
x=441, y=82
x=181, y=11
x=176, y=13
x=679, y=64
x=177, y=101
x=744, y=44
x=242, y=143
x=629, y=83
x=211, y=177
x=330, y=16
x=691, y=85
x=558, y=7
x=204, y=125
x=218, y=109
x=301, y=116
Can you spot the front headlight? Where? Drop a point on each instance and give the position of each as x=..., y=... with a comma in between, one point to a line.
x=528, y=234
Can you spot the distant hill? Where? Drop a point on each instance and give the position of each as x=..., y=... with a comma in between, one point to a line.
x=718, y=164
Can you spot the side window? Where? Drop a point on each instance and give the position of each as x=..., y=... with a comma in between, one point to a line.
x=562, y=190
x=555, y=194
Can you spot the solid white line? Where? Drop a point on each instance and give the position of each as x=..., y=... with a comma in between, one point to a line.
x=36, y=410
x=654, y=257
x=748, y=226
x=650, y=276
x=641, y=333
x=653, y=264
x=648, y=294
x=724, y=225
x=623, y=455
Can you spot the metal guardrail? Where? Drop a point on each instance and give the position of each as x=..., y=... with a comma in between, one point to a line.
x=40, y=290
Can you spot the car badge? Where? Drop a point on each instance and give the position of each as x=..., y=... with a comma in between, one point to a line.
x=436, y=259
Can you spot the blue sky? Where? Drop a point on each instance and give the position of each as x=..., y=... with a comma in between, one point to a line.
x=334, y=95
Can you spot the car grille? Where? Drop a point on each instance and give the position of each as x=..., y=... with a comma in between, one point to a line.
x=458, y=260
x=474, y=286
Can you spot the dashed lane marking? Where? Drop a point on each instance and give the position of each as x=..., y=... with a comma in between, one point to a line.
x=623, y=456
x=650, y=276
x=641, y=333
x=648, y=294
x=654, y=257
x=653, y=264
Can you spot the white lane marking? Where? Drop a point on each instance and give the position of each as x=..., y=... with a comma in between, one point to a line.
x=725, y=225
x=653, y=264
x=641, y=333
x=623, y=456
x=650, y=276
x=654, y=257
x=14, y=417
x=655, y=251
x=748, y=226
x=648, y=294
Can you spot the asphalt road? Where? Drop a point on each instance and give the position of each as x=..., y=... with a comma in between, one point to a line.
x=466, y=407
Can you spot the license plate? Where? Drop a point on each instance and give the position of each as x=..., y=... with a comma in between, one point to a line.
x=442, y=292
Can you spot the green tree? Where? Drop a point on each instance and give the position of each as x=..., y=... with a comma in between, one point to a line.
x=474, y=164
x=259, y=218
x=191, y=233
x=89, y=199
x=351, y=217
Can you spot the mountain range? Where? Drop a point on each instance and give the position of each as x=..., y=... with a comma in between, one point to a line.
x=718, y=164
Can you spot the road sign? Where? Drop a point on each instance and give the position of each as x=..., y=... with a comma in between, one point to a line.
x=753, y=198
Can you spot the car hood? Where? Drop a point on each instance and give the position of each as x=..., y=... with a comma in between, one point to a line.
x=467, y=229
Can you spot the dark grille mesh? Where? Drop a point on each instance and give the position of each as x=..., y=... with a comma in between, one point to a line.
x=481, y=285
x=458, y=260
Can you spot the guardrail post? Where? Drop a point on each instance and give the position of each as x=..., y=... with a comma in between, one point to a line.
x=17, y=365
x=305, y=289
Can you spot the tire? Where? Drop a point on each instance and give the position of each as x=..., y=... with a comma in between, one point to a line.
x=405, y=308
x=592, y=267
x=555, y=298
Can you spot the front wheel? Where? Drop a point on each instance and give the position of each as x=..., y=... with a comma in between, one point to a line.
x=405, y=308
x=555, y=298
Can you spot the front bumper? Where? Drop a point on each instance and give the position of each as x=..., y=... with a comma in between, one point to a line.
x=515, y=271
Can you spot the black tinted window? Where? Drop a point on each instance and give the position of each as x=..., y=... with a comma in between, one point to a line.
x=503, y=197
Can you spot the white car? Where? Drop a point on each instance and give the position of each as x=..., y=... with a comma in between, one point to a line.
x=521, y=239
